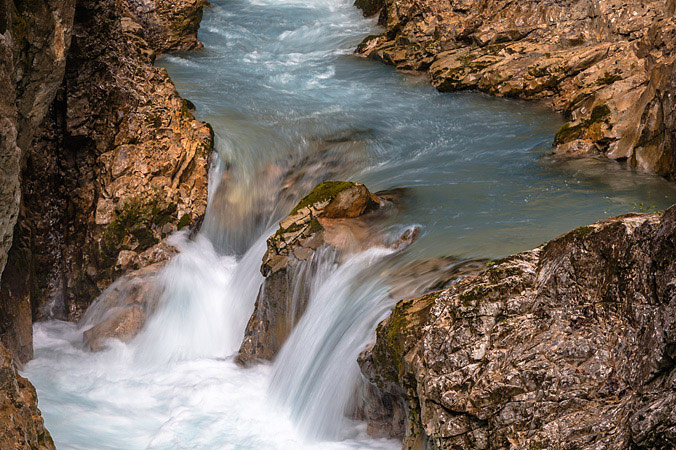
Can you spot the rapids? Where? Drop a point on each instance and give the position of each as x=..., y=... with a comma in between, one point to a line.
x=292, y=106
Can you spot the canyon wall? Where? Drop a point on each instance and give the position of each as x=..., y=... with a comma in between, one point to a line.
x=111, y=163
x=567, y=346
x=607, y=65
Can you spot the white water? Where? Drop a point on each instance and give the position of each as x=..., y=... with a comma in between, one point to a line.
x=277, y=81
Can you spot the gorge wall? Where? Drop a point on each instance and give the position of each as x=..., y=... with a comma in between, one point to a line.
x=110, y=162
x=608, y=65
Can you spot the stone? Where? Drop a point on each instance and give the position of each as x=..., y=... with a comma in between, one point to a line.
x=334, y=220
x=565, y=346
x=608, y=66
x=21, y=424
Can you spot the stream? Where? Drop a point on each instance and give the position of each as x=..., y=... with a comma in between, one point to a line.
x=291, y=106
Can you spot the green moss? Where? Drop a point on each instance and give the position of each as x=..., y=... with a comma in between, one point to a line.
x=184, y=221
x=136, y=226
x=325, y=191
x=583, y=231
x=599, y=113
x=490, y=263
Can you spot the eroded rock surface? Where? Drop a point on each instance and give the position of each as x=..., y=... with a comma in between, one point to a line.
x=117, y=165
x=566, y=346
x=332, y=221
x=21, y=424
x=608, y=65
x=34, y=40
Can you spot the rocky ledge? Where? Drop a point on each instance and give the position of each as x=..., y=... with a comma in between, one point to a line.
x=608, y=65
x=568, y=346
x=334, y=220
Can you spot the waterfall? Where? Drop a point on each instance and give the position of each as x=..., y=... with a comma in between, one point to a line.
x=316, y=372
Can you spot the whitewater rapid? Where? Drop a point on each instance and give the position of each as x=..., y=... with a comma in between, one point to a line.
x=279, y=84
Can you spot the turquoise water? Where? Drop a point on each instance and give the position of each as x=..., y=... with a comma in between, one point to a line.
x=292, y=106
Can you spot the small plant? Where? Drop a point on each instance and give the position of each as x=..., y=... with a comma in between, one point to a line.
x=643, y=208
x=490, y=263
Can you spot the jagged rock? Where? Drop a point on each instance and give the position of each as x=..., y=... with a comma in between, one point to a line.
x=568, y=346
x=34, y=40
x=21, y=424
x=608, y=65
x=117, y=165
x=333, y=220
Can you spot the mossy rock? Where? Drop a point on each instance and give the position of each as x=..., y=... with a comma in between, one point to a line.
x=325, y=191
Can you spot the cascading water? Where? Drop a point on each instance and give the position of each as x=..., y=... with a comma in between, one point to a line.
x=291, y=106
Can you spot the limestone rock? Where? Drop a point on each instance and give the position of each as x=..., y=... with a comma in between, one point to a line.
x=569, y=345
x=21, y=424
x=607, y=65
x=34, y=41
x=118, y=163
x=333, y=220
x=121, y=310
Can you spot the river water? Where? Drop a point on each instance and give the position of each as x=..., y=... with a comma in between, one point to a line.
x=292, y=106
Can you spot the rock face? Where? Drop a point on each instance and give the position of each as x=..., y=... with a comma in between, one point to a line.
x=118, y=164
x=34, y=40
x=331, y=221
x=569, y=346
x=21, y=424
x=608, y=65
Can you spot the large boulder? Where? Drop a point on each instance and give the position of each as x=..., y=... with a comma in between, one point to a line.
x=568, y=346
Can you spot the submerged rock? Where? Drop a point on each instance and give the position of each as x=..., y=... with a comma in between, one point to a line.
x=335, y=219
x=607, y=65
x=21, y=424
x=569, y=345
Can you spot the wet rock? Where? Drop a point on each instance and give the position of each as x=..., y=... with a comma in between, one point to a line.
x=21, y=424
x=118, y=163
x=34, y=41
x=608, y=66
x=335, y=219
x=121, y=310
x=565, y=346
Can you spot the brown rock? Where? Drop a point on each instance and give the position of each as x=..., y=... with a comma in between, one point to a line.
x=565, y=346
x=607, y=65
x=21, y=424
x=119, y=162
x=333, y=220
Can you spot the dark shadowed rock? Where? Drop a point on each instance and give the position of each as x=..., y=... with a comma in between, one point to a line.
x=566, y=346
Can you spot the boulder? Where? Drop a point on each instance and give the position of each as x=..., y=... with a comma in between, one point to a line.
x=334, y=220
x=567, y=346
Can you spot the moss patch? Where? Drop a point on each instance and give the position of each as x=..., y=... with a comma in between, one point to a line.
x=184, y=221
x=325, y=191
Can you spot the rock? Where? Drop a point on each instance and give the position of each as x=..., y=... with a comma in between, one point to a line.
x=21, y=424
x=118, y=163
x=569, y=345
x=608, y=66
x=121, y=310
x=335, y=219
x=34, y=41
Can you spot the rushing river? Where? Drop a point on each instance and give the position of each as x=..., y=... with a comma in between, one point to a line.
x=284, y=93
